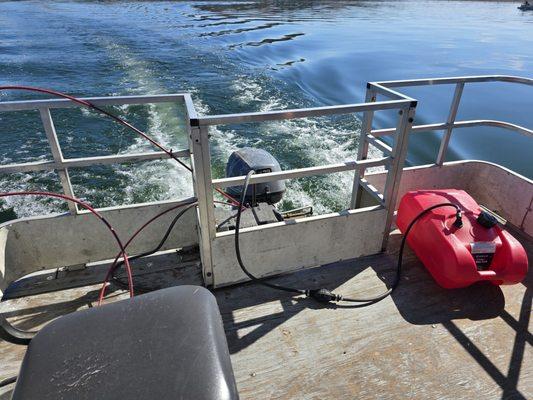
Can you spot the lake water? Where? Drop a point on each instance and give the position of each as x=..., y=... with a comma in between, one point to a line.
x=255, y=56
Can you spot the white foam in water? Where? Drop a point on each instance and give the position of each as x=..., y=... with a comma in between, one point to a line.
x=248, y=91
x=223, y=142
x=307, y=138
x=318, y=144
x=164, y=126
x=27, y=206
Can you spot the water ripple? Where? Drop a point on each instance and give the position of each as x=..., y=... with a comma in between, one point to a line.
x=284, y=38
x=241, y=30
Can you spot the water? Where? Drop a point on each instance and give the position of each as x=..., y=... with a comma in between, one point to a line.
x=254, y=56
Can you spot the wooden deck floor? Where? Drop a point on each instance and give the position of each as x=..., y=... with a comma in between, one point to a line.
x=423, y=342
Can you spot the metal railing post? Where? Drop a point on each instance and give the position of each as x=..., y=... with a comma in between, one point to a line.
x=362, y=153
x=203, y=189
x=441, y=157
x=394, y=174
x=51, y=135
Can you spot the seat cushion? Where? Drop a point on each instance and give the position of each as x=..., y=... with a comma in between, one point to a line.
x=167, y=344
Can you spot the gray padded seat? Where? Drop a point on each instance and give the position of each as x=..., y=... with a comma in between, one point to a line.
x=168, y=344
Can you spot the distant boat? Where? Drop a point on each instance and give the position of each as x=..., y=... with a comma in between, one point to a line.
x=526, y=7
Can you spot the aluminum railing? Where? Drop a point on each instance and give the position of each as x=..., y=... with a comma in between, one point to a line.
x=199, y=144
x=394, y=155
x=384, y=88
x=62, y=164
x=202, y=160
x=369, y=136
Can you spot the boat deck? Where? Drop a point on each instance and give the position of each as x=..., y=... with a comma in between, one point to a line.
x=423, y=342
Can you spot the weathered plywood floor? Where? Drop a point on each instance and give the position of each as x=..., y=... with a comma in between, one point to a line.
x=423, y=342
x=33, y=312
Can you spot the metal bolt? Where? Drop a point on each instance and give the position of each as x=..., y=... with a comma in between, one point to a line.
x=208, y=274
x=411, y=120
x=400, y=112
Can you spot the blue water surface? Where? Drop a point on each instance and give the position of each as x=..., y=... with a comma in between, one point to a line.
x=238, y=56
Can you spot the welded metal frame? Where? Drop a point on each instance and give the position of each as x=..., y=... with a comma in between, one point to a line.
x=385, y=88
x=393, y=161
x=362, y=152
x=203, y=122
x=61, y=164
x=394, y=155
x=368, y=136
x=199, y=148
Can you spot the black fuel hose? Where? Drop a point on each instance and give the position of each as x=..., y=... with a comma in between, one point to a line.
x=458, y=223
x=238, y=248
x=8, y=381
x=144, y=289
x=324, y=295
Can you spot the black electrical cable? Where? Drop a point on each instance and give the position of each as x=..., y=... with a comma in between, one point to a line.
x=324, y=295
x=238, y=250
x=226, y=220
x=458, y=223
x=8, y=381
x=144, y=289
x=121, y=121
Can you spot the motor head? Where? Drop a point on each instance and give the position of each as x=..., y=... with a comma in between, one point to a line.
x=261, y=161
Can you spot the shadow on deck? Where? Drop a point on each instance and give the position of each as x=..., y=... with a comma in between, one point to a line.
x=423, y=341
x=260, y=322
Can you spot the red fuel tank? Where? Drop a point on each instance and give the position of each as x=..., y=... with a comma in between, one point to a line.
x=459, y=257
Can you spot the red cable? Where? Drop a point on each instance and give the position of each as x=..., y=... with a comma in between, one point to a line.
x=222, y=202
x=232, y=199
x=95, y=213
x=117, y=119
x=112, y=267
x=121, y=121
x=90, y=105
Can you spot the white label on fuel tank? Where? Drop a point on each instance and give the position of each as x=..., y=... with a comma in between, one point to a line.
x=483, y=247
